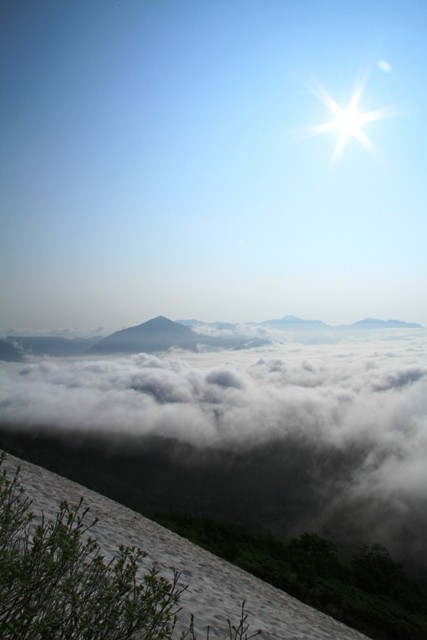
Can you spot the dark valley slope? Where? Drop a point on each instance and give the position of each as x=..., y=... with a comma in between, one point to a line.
x=284, y=486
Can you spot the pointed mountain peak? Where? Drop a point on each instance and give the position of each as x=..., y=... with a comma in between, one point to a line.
x=159, y=320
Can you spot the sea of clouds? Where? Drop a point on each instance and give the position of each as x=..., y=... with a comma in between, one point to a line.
x=364, y=394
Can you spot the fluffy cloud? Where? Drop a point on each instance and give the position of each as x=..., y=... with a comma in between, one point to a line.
x=337, y=393
x=364, y=401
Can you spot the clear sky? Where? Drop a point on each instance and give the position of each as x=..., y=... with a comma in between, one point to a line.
x=157, y=157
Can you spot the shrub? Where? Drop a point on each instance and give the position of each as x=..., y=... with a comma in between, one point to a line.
x=310, y=555
x=56, y=585
x=376, y=571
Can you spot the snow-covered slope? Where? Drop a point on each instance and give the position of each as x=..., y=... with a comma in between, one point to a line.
x=216, y=588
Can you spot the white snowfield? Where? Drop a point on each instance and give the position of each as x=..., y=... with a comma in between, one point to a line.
x=216, y=588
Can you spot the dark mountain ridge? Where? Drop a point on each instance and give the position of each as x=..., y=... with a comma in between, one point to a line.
x=158, y=334
x=161, y=334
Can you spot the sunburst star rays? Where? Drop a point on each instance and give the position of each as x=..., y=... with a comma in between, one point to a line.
x=348, y=122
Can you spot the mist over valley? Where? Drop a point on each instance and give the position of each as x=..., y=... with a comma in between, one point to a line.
x=286, y=437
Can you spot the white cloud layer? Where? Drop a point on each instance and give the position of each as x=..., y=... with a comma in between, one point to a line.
x=374, y=391
x=357, y=395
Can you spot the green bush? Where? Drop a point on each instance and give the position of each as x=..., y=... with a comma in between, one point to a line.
x=310, y=555
x=56, y=585
x=375, y=570
x=309, y=568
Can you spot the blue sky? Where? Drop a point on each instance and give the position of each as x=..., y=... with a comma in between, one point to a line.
x=155, y=159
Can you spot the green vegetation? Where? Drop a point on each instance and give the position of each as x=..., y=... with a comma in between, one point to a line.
x=56, y=585
x=370, y=592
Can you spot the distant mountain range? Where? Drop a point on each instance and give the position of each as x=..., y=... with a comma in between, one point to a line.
x=373, y=323
x=41, y=345
x=10, y=353
x=293, y=323
x=158, y=334
x=161, y=334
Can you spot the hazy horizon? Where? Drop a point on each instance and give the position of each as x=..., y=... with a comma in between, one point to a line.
x=207, y=326
x=233, y=161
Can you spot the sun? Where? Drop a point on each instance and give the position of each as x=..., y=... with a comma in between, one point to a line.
x=348, y=122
